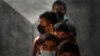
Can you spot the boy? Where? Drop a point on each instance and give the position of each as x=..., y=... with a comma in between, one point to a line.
x=47, y=21
x=62, y=31
x=47, y=45
x=59, y=7
x=68, y=49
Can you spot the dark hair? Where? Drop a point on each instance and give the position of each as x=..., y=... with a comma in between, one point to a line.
x=65, y=28
x=66, y=46
x=72, y=29
x=61, y=27
x=41, y=29
x=50, y=17
x=59, y=3
x=46, y=37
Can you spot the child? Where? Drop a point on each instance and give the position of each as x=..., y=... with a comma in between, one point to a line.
x=47, y=21
x=67, y=49
x=62, y=31
x=47, y=45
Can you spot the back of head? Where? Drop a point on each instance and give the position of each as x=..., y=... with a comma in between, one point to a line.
x=50, y=17
x=61, y=27
x=73, y=30
x=66, y=47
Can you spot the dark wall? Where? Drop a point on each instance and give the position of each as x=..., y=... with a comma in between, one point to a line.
x=95, y=27
x=86, y=16
x=15, y=33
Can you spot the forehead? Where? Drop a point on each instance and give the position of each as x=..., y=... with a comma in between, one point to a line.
x=58, y=6
x=42, y=18
x=49, y=42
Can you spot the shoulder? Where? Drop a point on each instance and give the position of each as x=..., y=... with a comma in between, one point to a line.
x=36, y=39
x=68, y=20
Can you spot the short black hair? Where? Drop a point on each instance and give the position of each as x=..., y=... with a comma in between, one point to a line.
x=59, y=3
x=48, y=36
x=73, y=30
x=61, y=27
x=66, y=46
x=50, y=17
x=65, y=28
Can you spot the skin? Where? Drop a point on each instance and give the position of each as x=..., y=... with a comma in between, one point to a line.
x=61, y=34
x=47, y=25
x=64, y=36
x=48, y=45
x=59, y=8
x=43, y=22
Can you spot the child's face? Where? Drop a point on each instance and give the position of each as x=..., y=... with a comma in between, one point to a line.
x=61, y=34
x=68, y=54
x=43, y=22
x=48, y=46
x=46, y=24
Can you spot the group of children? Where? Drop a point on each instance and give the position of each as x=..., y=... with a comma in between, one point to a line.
x=57, y=34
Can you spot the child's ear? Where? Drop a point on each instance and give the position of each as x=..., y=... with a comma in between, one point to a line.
x=51, y=26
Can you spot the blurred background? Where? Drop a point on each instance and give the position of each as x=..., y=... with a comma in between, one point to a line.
x=19, y=17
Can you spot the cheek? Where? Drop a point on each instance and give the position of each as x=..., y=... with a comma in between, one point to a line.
x=55, y=11
x=60, y=34
x=63, y=11
x=56, y=34
x=43, y=48
x=42, y=22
